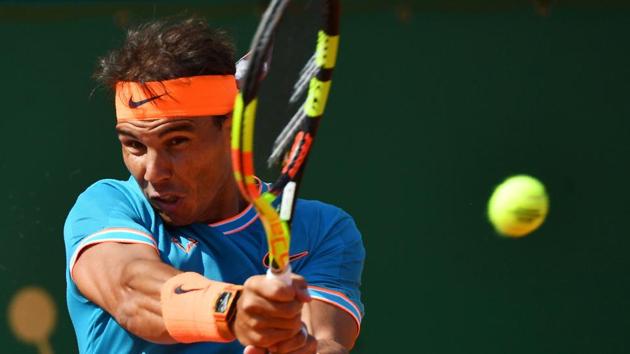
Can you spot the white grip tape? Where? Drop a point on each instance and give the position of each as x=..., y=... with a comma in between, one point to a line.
x=284, y=277
x=287, y=201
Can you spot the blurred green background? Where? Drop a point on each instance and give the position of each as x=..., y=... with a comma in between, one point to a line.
x=434, y=103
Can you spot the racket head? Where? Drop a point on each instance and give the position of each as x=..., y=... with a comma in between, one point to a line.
x=284, y=84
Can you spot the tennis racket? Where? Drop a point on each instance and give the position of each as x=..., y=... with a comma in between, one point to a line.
x=284, y=83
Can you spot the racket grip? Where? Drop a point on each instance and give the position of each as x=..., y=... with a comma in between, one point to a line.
x=284, y=277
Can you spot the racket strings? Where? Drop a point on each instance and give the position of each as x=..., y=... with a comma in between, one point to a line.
x=299, y=88
x=284, y=138
x=305, y=75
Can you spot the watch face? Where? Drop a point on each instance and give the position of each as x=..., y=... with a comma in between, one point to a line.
x=221, y=305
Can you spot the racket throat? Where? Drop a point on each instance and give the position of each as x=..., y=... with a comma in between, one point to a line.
x=288, y=198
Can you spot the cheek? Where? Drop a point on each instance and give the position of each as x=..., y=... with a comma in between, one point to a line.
x=213, y=166
x=217, y=152
x=208, y=163
x=132, y=164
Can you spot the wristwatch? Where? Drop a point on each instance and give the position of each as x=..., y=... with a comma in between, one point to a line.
x=225, y=309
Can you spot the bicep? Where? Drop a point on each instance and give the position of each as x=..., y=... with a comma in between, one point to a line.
x=125, y=280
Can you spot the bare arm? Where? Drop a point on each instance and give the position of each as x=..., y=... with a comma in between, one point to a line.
x=334, y=329
x=125, y=280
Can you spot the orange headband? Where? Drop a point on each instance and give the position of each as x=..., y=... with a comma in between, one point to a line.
x=195, y=96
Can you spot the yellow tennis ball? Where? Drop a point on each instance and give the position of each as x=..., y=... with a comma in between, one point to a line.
x=518, y=206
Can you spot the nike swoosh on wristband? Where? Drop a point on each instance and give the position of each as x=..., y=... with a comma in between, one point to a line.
x=292, y=257
x=136, y=104
x=179, y=290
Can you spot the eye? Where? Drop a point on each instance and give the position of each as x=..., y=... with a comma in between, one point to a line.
x=177, y=141
x=133, y=146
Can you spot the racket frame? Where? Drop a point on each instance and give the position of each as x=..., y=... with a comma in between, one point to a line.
x=277, y=223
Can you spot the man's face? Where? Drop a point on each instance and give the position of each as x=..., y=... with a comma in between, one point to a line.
x=182, y=165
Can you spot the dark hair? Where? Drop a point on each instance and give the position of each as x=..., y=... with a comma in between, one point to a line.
x=168, y=49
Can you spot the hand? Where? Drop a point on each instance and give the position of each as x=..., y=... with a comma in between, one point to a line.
x=269, y=315
x=302, y=343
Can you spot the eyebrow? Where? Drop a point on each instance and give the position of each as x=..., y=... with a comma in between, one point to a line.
x=177, y=127
x=184, y=126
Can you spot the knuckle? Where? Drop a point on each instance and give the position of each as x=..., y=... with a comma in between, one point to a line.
x=256, y=338
x=254, y=323
x=243, y=304
x=299, y=282
x=249, y=283
x=247, y=304
x=276, y=288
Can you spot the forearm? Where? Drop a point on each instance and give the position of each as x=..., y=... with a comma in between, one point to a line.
x=125, y=280
x=139, y=310
x=329, y=346
x=334, y=330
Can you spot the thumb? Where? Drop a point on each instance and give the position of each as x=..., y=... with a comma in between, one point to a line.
x=301, y=288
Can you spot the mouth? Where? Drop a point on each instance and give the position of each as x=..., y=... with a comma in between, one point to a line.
x=167, y=203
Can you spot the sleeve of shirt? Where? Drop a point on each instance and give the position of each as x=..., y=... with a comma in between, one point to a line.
x=105, y=212
x=335, y=262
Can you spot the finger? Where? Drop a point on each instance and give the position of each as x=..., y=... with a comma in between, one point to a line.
x=270, y=288
x=264, y=338
x=258, y=322
x=309, y=347
x=251, y=303
x=292, y=344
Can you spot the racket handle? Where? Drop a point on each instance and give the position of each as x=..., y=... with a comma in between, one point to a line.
x=284, y=277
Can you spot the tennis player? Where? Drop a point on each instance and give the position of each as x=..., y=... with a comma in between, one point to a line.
x=172, y=259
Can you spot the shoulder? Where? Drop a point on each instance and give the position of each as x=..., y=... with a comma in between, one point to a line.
x=106, y=203
x=321, y=220
x=112, y=188
x=108, y=193
x=109, y=211
x=318, y=208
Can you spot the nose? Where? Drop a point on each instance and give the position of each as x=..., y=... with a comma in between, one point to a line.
x=158, y=167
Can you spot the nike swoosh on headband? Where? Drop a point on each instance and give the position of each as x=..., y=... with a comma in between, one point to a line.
x=136, y=104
